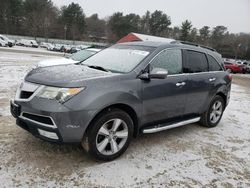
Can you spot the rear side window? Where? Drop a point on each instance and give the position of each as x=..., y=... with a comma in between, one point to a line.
x=171, y=60
x=195, y=62
x=213, y=64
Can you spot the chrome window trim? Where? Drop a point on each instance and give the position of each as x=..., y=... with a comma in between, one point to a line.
x=176, y=48
x=189, y=74
x=42, y=124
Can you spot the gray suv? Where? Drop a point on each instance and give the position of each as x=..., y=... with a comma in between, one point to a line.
x=124, y=90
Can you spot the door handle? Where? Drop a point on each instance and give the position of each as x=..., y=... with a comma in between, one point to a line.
x=212, y=79
x=181, y=84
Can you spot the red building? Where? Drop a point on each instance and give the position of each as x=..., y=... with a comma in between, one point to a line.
x=132, y=37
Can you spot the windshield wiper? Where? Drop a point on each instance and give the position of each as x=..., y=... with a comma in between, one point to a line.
x=96, y=67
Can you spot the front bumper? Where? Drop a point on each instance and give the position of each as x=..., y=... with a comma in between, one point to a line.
x=35, y=130
x=50, y=120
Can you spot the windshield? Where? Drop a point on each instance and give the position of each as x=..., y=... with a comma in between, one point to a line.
x=82, y=55
x=122, y=59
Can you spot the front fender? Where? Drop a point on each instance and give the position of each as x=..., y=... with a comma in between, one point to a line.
x=96, y=98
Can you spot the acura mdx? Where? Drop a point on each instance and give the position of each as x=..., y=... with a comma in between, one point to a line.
x=122, y=91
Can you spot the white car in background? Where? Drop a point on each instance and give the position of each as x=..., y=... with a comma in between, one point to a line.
x=9, y=42
x=27, y=43
x=75, y=58
x=3, y=43
x=45, y=45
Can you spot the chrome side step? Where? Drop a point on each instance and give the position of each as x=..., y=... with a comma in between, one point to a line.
x=163, y=128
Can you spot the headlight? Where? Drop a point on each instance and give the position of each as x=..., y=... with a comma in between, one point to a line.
x=59, y=94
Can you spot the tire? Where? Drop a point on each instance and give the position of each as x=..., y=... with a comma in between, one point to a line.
x=211, y=117
x=104, y=141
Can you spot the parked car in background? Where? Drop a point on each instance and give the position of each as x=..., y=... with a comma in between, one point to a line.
x=75, y=58
x=34, y=44
x=50, y=47
x=56, y=47
x=6, y=39
x=234, y=67
x=244, y=67
x=20, y=42
x=247, y=66
x=65, y=48
x=121, y=92
x=27, y=43
x=3, y=43
x=74, y=50
x=45, y=45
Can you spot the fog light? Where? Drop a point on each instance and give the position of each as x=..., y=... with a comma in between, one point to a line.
x=48, y=134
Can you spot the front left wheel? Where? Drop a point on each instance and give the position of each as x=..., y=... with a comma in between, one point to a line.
x=109, y=135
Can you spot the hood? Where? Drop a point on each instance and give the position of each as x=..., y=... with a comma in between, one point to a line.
x=58, y=61
x=65, y=75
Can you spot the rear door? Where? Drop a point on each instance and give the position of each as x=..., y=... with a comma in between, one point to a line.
x=196, y=67
x=165, y=98
x=217, y=75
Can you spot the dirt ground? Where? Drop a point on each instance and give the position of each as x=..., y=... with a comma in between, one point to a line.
x=188, y=156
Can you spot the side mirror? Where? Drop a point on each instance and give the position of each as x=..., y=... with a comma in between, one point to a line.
x=158, y=73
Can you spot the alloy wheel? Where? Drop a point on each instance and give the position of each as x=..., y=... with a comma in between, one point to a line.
x=216, y=112
x=112, y=136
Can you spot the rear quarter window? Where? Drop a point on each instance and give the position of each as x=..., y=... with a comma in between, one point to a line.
x=213, y=64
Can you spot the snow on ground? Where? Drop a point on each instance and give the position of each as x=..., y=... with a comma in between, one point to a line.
x=13, y=68
x=243, y=76
x=188, y=156
x=29, y=50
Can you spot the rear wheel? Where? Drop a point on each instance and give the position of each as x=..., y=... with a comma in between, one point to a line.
x=213, y=115
x=109, y=136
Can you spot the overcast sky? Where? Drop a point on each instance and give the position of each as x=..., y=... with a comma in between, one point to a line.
x=234, y=14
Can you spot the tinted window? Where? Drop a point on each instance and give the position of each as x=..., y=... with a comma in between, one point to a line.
x=195, y=62
x=171, y=60
x=213, y=64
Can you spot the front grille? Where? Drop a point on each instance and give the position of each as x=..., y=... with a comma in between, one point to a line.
x=26, y=91
x=25, y=94
x=39, y=119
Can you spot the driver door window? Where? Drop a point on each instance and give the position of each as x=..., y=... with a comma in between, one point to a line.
x=170, y=60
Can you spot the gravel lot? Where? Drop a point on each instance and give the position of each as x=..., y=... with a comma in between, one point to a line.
x=189, y=156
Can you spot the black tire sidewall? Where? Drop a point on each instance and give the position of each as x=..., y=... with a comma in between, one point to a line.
x=216, y=98
x=97, y=124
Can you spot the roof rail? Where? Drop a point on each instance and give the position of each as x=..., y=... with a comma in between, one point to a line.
x=194, y=44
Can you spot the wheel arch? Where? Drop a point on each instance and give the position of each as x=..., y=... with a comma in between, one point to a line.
x=124, y=107
x=224, y=97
